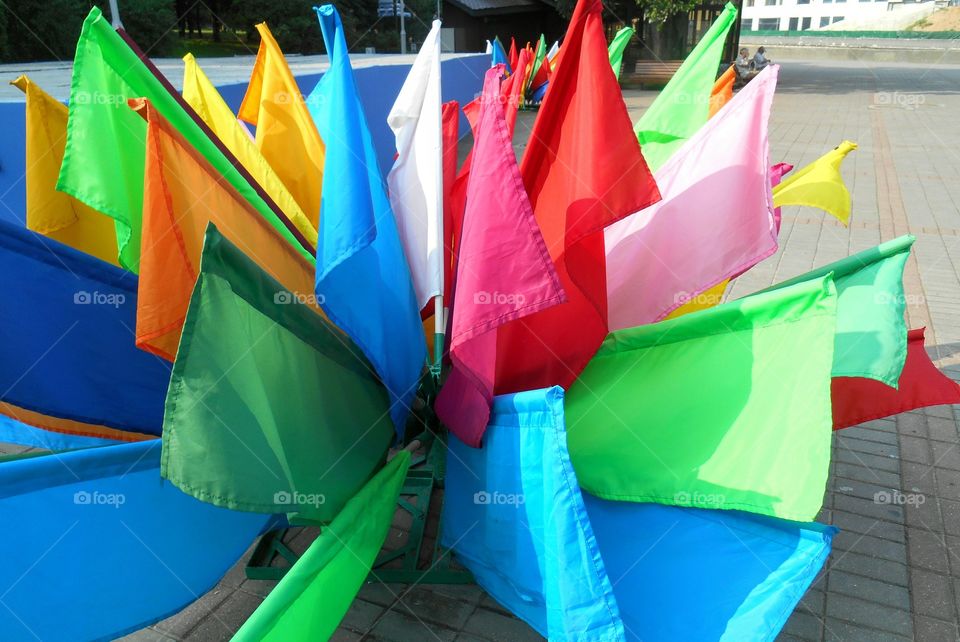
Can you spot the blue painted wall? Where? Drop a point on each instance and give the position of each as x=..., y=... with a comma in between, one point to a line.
x=378, y=86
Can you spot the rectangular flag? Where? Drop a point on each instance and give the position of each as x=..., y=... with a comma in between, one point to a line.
x=583, y=170
x=684, y=104
x=362, y=274
x=504, y=271
x=316, y=593
x=286, y=135
x=715, y=219
x=204, y=98
x=182, y=192
x=415, y=183
x=871, y=334
x=49, y=212
x=103, y=159
x=727, y=408
x=270, y=409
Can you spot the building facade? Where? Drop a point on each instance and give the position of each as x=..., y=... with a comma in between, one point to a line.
x=803, y=15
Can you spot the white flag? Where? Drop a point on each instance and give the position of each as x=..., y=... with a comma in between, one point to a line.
x=416, y=181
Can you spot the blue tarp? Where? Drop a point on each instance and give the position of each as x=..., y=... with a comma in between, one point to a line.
x=97, y=545
x=515, y=516
x=67, y=348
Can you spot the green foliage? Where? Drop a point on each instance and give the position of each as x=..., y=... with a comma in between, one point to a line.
x=151, y=23
x=623, y=11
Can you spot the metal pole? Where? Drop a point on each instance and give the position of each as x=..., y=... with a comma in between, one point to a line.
x=403, y=30
x=115, y=15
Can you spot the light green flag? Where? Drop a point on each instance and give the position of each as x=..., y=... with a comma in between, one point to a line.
x=270, y=408
x=684, y=104
x=617, y=47
x=105, y=148
x=871, y=335
x=314, y=595
x=726, y=408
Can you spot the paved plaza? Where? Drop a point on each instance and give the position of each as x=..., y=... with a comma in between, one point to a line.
x=894, y=573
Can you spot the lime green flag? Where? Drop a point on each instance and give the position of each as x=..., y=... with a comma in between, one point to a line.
x=270, y=408
x=104, y=156
x=726, y=408
x=871, y=335
x=617, y=47
x=684, y=104
x=314, y=595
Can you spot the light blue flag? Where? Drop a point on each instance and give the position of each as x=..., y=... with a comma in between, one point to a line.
x=499, y=56
x=576, y=567
x=363, y=279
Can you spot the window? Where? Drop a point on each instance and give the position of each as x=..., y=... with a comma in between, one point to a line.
x=836, y=19
x=803, y=1
x=794, y=23
x=770, y=3
x=750, y=2
x=824, y=22
x=769, y=24
x=805, y=24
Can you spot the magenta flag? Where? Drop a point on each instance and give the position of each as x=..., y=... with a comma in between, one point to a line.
x=715, y=220
x=777, y=172
x=504, y=271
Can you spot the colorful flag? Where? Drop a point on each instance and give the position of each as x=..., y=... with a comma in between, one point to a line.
x=777, y=172
x=270, y=409
x=513, y=55
x=103, y=547
x=582, y=171
x=617, y=47
x=362, y=274
x=504, y=271
x=513, y=89
x=67, y=358
x=182, y=192
x=871, y=334
x=734, y=411
x=715, y=219
x=857, y=399
x=49, y=212
x=499, y=56
x=722, y=91
x=819, y=185
x=204, y=98
x=317, y=591
x=286, y=135
x=103, y=159
x=415, y=183
x=538, y=72
x=684, y=104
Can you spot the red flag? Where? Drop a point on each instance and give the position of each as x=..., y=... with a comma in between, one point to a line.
x=504, y=271
x=513, y=88
x=450, y=124
x=583, y=171
x=856, y=399
x=513, y=55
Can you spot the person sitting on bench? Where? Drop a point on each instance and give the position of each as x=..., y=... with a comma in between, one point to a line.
x=760, y=60
x=744, y=66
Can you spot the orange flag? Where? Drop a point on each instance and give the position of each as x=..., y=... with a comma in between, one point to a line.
x=722, y=90
x=181, y=194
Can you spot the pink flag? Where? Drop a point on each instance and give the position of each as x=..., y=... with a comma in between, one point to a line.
x=777, y=172
x=504, y=271
x=715, y=219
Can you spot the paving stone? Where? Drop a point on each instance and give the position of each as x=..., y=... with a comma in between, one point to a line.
x=876, y=568
x=869, y=614
x=147, y=635
x=932, y=595
x=915, y=449
x=494, y=626
x=930, y=630
x=379, y=593
x=362, y=615
x=432, y=606
x=864, y=474
x=873, y=546
x=943, y=429
x=886, y=435
x=226, y=619
x=399, y=627
x=927, y=550
x=869, y=589
x=869, y=447
x=948, y=483
x=853, y=523
x=183, y=622
x=911, y=424
x=803, y=626
x=946, y=455
x=837, y=631
x=873, y=462
x=345, y=635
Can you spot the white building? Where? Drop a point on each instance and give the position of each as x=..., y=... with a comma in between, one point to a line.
x=860, y=15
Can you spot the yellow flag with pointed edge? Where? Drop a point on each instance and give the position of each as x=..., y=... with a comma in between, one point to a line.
x=286, y=135
x=200, y=94
x=49, y=212
x=819, y=185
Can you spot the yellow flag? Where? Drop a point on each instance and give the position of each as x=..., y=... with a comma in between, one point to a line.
x=49, y=212
x=819, y=185
x=286, y=135
x=200, y=94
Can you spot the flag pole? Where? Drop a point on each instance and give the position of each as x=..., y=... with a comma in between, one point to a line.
x=439, y=312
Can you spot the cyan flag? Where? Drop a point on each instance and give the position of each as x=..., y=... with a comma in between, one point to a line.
x=499, y=56
x=363, y=280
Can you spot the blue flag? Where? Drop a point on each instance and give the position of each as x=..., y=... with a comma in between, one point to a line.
x=499, y=56
x=363, y=279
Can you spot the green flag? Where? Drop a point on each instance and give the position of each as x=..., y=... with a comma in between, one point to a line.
x=616, y=48
x=270, y=408
x=538, y=58
x=314, y=595
x=871, y=335
x=725, y=408
x=105, y=148
x=684, y=104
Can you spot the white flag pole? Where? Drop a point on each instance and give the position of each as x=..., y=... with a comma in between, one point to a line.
x=439, y=311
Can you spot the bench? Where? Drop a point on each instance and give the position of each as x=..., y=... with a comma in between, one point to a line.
x=655, y=73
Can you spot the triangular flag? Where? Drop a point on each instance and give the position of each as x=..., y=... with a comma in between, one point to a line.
x=499, y=56
x=415, y=183
x=684, y=104
x=504, y=271
x=513, y=88
x=722, y=91
x=583, y=171
x=286, y=136
x=362, y=275
x=513, y=55
x=538, y=73
x=819, y=185
x=617, y=47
